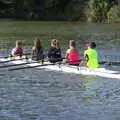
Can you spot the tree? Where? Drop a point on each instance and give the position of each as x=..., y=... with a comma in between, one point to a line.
x=97, y=10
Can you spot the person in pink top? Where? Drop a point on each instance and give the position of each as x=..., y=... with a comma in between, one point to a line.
x=17, y=51
x=72, y=55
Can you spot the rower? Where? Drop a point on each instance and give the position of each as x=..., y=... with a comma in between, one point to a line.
x=37, y=51
x=17, y=51
x=54, y=53
x=91, y=56
x=72, y=55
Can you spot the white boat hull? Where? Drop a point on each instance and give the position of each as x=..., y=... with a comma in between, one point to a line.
x=102, y=72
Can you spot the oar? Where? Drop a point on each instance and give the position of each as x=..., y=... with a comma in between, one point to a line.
x=110, y=62
x=13, y=56
x=101, y=62
x=19, y=68
x=59, y=63
x=27, y=62
x=4, y=66
x=11, y=60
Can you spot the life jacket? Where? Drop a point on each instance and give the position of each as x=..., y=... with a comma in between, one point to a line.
x=73, y=57
x=92, y=58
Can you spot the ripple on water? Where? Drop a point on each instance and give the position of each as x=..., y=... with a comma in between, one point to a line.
x=45, y=95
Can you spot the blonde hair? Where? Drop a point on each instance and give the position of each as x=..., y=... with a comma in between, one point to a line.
x=55, y=43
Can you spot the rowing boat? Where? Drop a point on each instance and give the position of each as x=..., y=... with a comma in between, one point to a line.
x=102, y=72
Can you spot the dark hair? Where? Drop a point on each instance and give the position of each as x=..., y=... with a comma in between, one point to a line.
x=72, y=43
x=93, y=45
x=37, y=43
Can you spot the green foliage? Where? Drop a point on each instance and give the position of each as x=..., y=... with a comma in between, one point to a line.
x=58, y=10
x=25, y=9
x=74, y=12
x=43, y=9
x=97, y=10
x=114, y=14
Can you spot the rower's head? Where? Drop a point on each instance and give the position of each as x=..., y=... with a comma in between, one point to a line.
x=72, y=44
x=87, y=45
x=55, y=43
x=18, y=43
x=37, y=43
x=93, y=45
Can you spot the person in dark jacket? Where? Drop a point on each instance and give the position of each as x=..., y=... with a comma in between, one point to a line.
x=54, y=53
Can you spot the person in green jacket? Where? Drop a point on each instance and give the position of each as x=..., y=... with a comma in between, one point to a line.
x=91, y=56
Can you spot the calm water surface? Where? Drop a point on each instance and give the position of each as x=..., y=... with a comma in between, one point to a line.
x=33, y=94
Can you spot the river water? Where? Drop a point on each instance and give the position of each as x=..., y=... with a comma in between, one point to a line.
x=33, y=94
